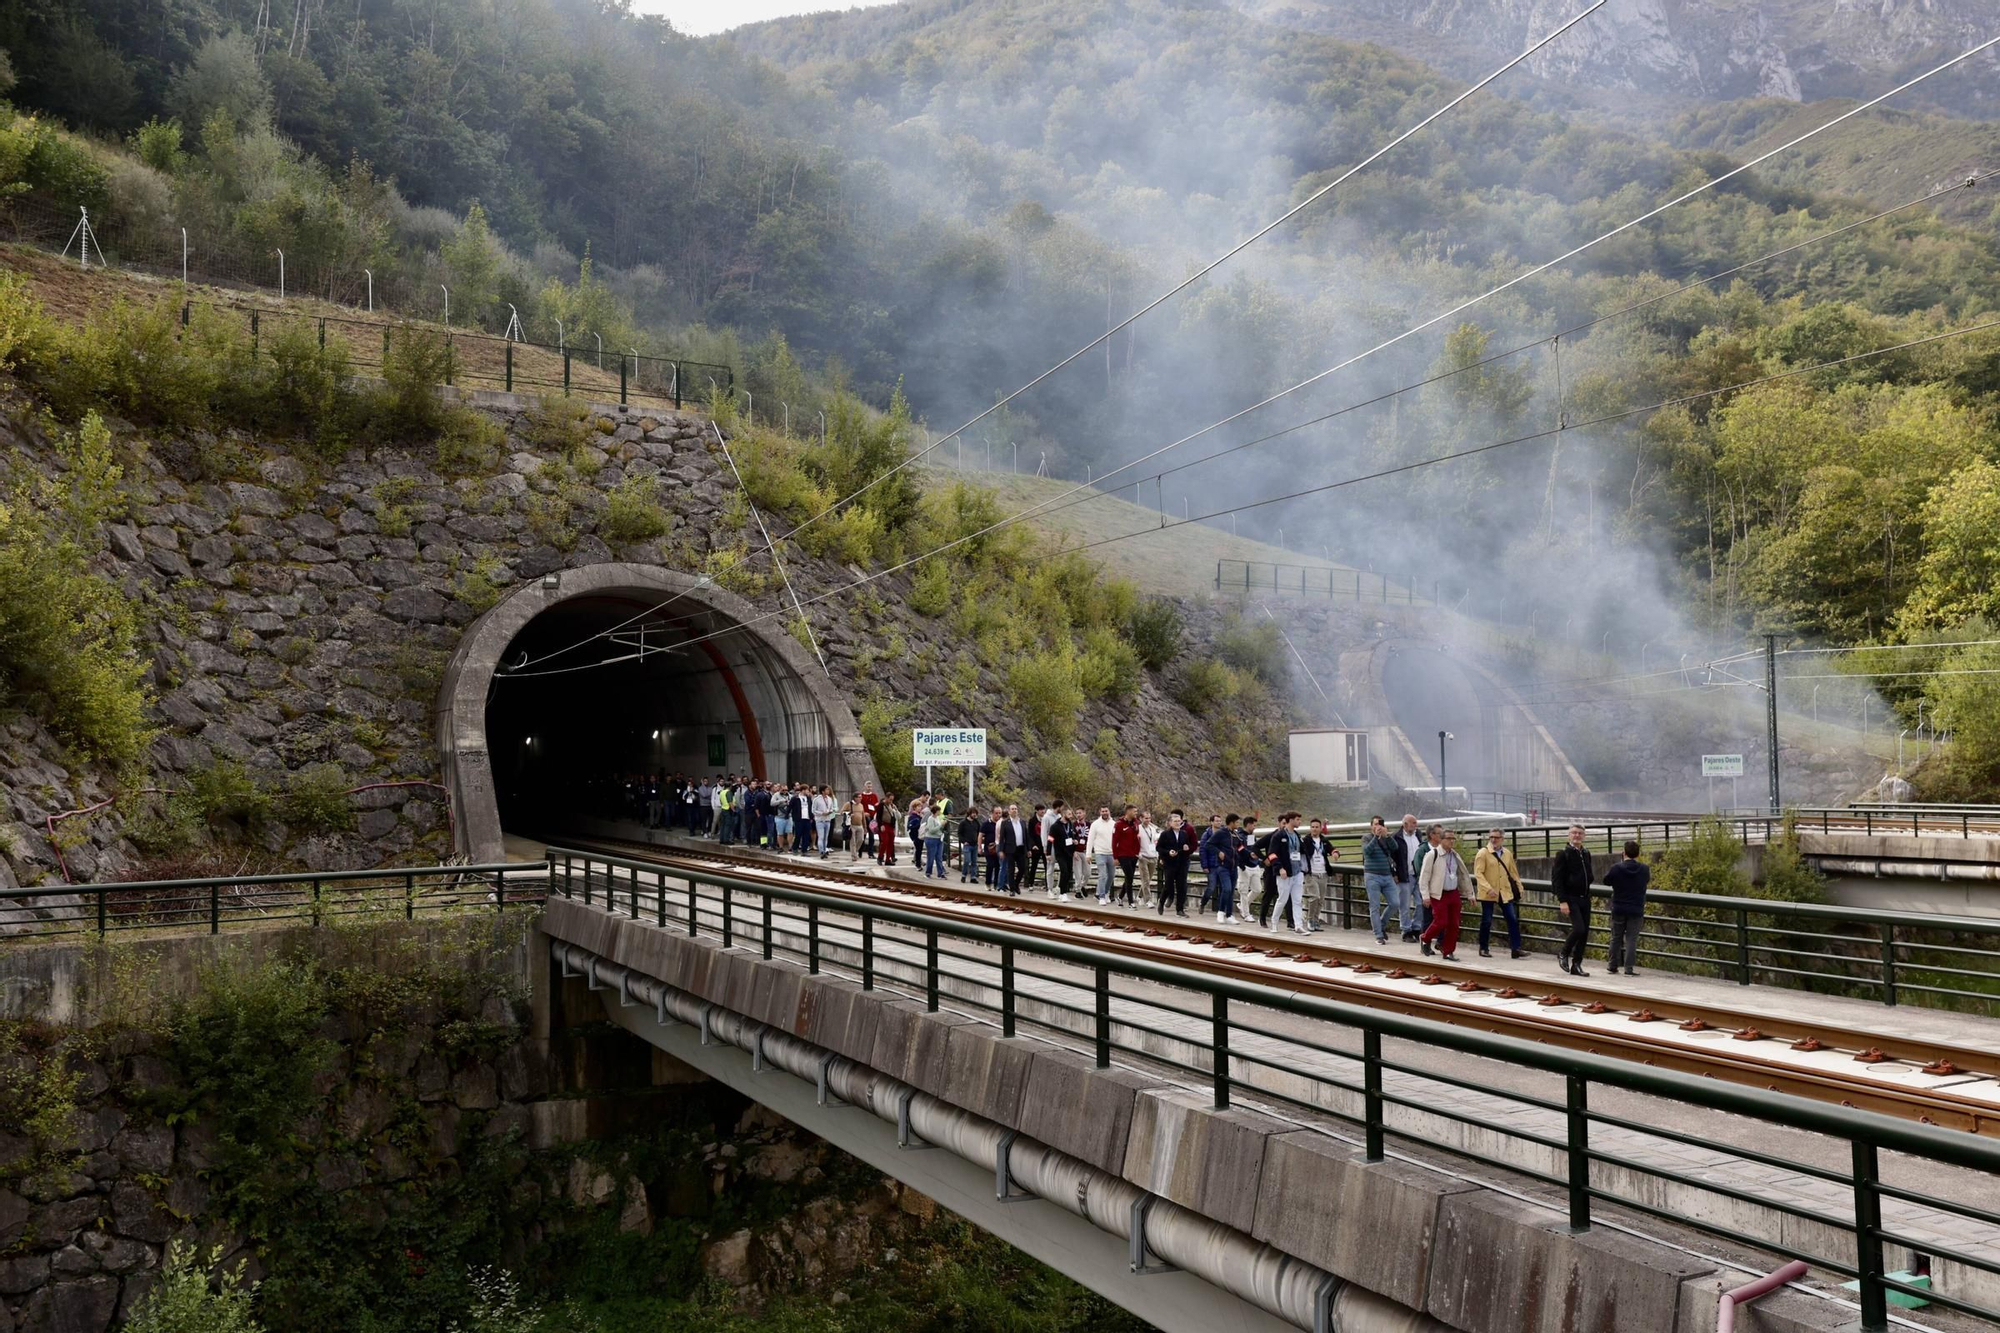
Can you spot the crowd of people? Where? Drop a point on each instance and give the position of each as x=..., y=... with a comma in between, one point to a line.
x=1416, y=880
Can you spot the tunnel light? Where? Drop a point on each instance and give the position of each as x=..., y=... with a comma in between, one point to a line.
x=552, y=580
x=656, y=733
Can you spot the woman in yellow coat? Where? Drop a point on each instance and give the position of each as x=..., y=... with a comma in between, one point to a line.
x=1497, y=881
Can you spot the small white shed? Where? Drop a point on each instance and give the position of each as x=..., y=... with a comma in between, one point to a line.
x=1335, y=756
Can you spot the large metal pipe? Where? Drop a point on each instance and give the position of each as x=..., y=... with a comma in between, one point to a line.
x=1268, y=1278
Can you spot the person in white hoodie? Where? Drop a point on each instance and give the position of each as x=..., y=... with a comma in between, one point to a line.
x=1098, y=848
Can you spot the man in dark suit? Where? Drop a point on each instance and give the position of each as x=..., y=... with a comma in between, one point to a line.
x=1570, y=877
x=989, y=846
x=1013, y=837
x=1176, y=848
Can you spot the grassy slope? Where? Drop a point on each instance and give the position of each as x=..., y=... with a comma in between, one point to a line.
x=73, y=294
x=1176, y=561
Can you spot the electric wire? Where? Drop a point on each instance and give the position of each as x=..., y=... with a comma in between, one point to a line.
x=1210, y=267
x=1414, y=465
x=1046, y=506
x=1490, y=359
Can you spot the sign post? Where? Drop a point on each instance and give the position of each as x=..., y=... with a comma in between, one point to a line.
x=949, y=747
x=1715, y=766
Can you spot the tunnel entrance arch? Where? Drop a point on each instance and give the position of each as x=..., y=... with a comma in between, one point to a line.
x=619, y=691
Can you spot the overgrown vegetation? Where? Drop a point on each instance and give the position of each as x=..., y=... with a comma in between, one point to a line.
x=68, y=639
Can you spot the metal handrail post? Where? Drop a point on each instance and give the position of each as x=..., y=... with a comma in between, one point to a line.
x=1578, y=1115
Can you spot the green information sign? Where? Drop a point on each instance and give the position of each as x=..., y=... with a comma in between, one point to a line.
x=718, y=751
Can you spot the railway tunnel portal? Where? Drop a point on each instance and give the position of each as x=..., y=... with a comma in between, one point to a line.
x=591, y=678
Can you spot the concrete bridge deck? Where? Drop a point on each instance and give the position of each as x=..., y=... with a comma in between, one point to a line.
x=1282, y=1169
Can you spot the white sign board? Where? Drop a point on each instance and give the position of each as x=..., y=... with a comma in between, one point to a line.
x=1722, y=765
x=950, y=747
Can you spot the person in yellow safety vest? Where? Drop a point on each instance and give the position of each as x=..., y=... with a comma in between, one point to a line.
x=725, y=800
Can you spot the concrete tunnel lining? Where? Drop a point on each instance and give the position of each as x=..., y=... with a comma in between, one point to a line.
x=761, y=668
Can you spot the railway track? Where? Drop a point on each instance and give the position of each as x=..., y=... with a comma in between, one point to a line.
x=1952, y=1086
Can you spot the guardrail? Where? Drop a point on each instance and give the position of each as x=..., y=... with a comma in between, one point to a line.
x=1007, y=977
x=1322, y=580
x=1926, y=958
x=489, y=361
x=223, y=902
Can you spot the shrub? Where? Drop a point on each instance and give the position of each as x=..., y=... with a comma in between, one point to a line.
x=224, y=793
x=482, y=586
x=1789, y=877
x=1155, y=630
x=184, y=1298
x=392, y=504
x=469, y=443
x=632, y=512
x=548, y=518
x=293, y=387
x=855, y=535
x=69, y=640
x=1707, y=863
x=558, y=426
x=1047, y=693
x=930, y=595
x=888, y=740
x=408, y=408
x=158, y=144
x=315, y=800
x=1062, y=772
x=1258, y=649
x=1205, y=684
x=1109, y=667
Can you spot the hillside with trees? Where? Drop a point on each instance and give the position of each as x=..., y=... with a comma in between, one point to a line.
x=953, y=197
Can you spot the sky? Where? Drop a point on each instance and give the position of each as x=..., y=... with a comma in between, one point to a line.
x=699, y=18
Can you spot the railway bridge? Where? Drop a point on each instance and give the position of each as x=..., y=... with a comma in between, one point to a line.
x=1213, y=1133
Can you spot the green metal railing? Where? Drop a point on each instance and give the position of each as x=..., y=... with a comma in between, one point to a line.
x=1195, y=1024
x=225, y=902
x=1919, y=957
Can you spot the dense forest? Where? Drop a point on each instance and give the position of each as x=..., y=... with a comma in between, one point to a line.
x=954, y=196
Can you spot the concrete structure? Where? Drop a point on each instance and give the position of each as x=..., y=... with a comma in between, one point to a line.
x=1270, y=1221
x=1335, y=756
x=1406, y=690
x=750, y=701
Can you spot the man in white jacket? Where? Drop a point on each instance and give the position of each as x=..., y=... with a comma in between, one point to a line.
x=1098, y=848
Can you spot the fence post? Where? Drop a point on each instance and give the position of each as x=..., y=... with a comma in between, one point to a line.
x=385, y=346
x=693, y=918
x=586, y=887
x=1346, y=902
x=812, y=937
x=187, y=310
x=621, y=381
x=409, y=897
x=1103, y=1016
x=315, y=902
x=1371, y=1092
x=102, y=912
x=1888, y=962
x=1220, y=1042
x=565, y=374
x=867, y=952
x=1743, y=946
x=930, y=968
x=253, y=335
x=728, y=925
x=510, y=367
x=215, y=909
x=1006, y=990
x=767, y=925
x=633, y=883
x=322, y=333
x=677, y=385
x=500, y=893
x=1868, y=1239
x=1579, y=1154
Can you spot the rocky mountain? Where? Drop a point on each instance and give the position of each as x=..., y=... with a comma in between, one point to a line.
x=1673, y=53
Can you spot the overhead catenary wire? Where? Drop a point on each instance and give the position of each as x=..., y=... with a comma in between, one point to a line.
x=1553, y=339
x=1090, y=484
x=1206, y=269
x=1048, y=505
x=1417, y=464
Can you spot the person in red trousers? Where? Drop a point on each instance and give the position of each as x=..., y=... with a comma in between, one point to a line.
x=1445, y=880
x=885, y=831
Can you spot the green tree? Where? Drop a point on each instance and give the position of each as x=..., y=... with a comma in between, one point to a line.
x=1959, y=575
x=223, y=77
x=472, y=265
